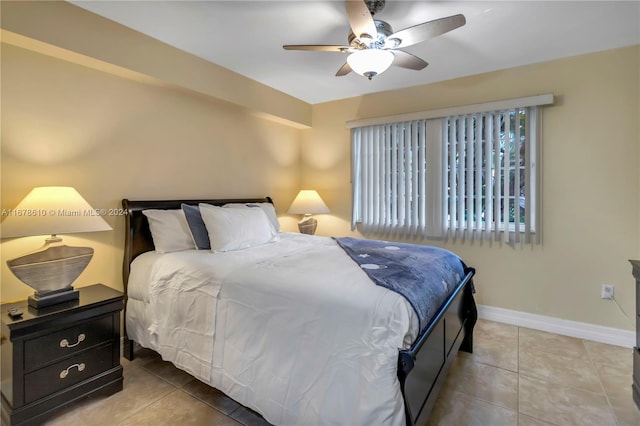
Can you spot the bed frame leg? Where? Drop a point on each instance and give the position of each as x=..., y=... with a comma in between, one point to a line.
x=472, y=318
x=405, y=365
x=128, y=349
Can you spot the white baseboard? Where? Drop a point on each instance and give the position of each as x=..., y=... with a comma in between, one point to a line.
x=581, y=330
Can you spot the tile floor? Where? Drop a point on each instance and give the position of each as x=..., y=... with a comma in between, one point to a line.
x=524, y=377
x=516, y=376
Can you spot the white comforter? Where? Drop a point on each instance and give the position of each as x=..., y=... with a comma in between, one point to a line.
x=292, y=329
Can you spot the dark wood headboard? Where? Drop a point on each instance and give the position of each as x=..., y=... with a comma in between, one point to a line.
x=137, y=234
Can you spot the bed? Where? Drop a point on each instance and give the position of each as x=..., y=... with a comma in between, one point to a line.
x=390, y=373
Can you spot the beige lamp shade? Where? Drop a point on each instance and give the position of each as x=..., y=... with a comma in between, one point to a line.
x=52, y=210
x=308, y=201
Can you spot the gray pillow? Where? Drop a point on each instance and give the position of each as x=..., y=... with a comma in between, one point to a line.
x=196, y=226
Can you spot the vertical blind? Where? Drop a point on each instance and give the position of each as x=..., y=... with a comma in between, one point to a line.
x=391, y=178
x=470, y=176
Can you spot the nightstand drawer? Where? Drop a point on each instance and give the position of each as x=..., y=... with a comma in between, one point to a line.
x=67, y=372
x=63, y=343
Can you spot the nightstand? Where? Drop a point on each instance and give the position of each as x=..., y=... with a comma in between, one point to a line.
x=59, y=354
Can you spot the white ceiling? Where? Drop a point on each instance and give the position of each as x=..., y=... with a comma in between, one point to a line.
x=247, y=37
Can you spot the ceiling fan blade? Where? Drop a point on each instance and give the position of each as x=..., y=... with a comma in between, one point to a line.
x=425, y=31
x=360, y=19
x=317, y=47
x=407, y=60
x=344, y=70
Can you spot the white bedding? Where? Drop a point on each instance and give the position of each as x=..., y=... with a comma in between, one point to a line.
x=293, y=329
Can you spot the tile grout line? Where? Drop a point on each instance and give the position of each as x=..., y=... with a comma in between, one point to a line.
x=561, y=383
x=477, y=398
x=604, y=390
x=519, y=373
x=150, y=403
x=209, y=405
x=228, y=416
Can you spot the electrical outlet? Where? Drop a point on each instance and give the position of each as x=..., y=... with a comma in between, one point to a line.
x=607, y=291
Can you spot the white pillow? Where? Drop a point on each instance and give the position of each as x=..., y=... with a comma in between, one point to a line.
x=169, y=230
x=267, y=207
x=236, y=229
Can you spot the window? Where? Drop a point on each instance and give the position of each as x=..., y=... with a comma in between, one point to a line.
x=491, y=173
x=468, y=175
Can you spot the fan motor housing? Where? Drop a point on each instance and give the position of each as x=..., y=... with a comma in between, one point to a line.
x=375, y=6
x=384, y=31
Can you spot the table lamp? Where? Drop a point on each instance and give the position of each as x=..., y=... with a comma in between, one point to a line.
x=51, y=270
x=308, y=202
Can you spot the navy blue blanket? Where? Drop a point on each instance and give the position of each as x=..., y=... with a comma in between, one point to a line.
x=424, y=275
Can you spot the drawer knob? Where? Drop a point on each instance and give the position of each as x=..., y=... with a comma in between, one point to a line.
x=64, y=343
x=64, y=373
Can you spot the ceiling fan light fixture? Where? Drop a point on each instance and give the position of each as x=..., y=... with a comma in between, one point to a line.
x=370, y=62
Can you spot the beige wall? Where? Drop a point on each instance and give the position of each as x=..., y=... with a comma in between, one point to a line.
x=82, y=37
x=114, y=138
x=590, y=190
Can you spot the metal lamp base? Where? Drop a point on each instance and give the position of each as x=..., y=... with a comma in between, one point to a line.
x=308, y=226
x=41, y=300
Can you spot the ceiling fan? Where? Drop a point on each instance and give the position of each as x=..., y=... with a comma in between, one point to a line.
x=373, y=46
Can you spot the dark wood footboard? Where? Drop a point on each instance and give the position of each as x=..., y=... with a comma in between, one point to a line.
x=423, y=368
